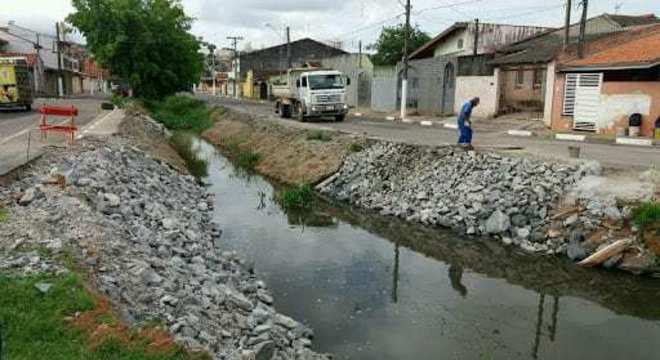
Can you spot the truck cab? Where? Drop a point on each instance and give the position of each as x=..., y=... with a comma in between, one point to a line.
x=312, y=93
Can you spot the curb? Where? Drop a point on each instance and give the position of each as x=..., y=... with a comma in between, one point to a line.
x=450, y=126
x=571, y=137
x=634, y=141
x=523, y=133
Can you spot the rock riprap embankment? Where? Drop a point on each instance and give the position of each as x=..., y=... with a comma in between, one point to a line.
x=145, y=233
x=477, y=193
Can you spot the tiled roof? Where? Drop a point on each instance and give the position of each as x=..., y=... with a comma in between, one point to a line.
x=639, y=51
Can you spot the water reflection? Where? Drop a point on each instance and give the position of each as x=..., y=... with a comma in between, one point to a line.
x=379, y=288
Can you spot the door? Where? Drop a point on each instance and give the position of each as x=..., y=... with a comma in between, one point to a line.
x=263, y=91
x=448, y=89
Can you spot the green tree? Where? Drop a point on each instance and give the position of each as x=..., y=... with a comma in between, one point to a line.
x=146, y=43
x=389, y=47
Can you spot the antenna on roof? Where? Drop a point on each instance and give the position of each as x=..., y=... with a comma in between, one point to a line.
x=617, y=8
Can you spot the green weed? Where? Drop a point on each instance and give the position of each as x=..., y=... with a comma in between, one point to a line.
x=646, y=214
x=183, y=143
x=181, y=113
x=4, y=215
x=355, y=148
x=299, y=197
x=319, y=135
x=245, y=158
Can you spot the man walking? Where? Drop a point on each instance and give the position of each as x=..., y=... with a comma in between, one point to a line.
x=464, y=123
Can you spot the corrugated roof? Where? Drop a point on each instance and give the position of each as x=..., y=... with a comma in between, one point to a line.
x=643, y=50
x=628, y=20
x=538, y=50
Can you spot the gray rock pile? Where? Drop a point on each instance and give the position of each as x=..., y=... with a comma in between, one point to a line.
x=477, y=193
x=146, y=233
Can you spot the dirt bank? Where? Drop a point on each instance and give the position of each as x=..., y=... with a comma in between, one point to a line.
x=287, y=154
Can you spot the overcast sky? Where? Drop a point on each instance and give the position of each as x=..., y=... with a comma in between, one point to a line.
x=261, y=22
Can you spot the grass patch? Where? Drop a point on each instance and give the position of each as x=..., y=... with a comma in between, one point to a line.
x=41, y=326
x=319, y=135
x=4, y=215
x=245, y=158
x=183, y=143
x=182, y=113
x=300, y=197
x=355, y=148
x=647, y=214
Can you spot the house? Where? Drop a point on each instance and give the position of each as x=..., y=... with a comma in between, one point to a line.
x=274, y=60
x=24, y=41
x=619, y=76
x=432, y=77
x=526, y=69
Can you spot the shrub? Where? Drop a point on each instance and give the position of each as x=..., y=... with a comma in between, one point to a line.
x=118, y=101
x=299, y=197
x=181, y=113
x=247, y=159
x=183, y=144
x=647, y=214
x=319, y=135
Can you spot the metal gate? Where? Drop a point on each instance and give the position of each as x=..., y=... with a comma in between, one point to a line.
x=582, y=99
x=448, y=89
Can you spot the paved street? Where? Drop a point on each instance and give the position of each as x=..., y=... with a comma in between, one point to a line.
x=16, y=127
x=611, y=156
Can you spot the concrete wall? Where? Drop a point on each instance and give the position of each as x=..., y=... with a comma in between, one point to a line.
x=618, y=101
x=449, y=46
x=550, y=79
x=425, y=83
x=359, y=91
x=485, y=87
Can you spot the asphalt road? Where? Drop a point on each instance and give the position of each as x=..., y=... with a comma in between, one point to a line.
x=16, y=126
x=609, y=155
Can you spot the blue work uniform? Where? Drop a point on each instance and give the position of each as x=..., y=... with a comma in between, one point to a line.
x=464, y=128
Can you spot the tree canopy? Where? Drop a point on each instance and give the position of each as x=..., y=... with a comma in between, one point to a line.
x=146, y=43
x=389, y=47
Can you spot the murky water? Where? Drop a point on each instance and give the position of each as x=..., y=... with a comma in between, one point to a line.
x=377, y=288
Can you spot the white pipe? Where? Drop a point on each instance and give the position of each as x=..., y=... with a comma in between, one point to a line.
x=404, y=99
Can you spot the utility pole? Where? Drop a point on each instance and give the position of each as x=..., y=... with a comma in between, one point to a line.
x=37, y=75
x=583, y=28
x=60, y=80
x=237, y=59
x=476, y=37
x=213, y=72
x=288, y=47
x=360, y=57
x=567, y=25
x=404, y=82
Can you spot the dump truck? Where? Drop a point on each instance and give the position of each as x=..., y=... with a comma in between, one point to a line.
x=311, y=93
x=15, y=84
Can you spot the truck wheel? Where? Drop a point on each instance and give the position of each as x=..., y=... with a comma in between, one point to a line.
x=300, y=113
x=340, y=118
x=286, y=111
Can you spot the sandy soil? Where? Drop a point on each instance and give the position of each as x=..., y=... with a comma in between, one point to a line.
x=287, y=153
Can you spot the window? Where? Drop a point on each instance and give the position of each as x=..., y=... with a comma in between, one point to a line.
x=304, y=82
x=538, y=78
x=460, y=43
x=520, y=78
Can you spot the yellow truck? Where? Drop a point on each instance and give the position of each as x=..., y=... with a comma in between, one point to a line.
x=15, y=84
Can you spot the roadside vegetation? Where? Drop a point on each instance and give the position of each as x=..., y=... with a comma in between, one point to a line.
x=647, y=214
x=62, y=320
x=183, y=143
x=181, y=113
x=355, y=148
x=244, y=157
x=299, y=197
x=4, y=215
x=319, y=135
